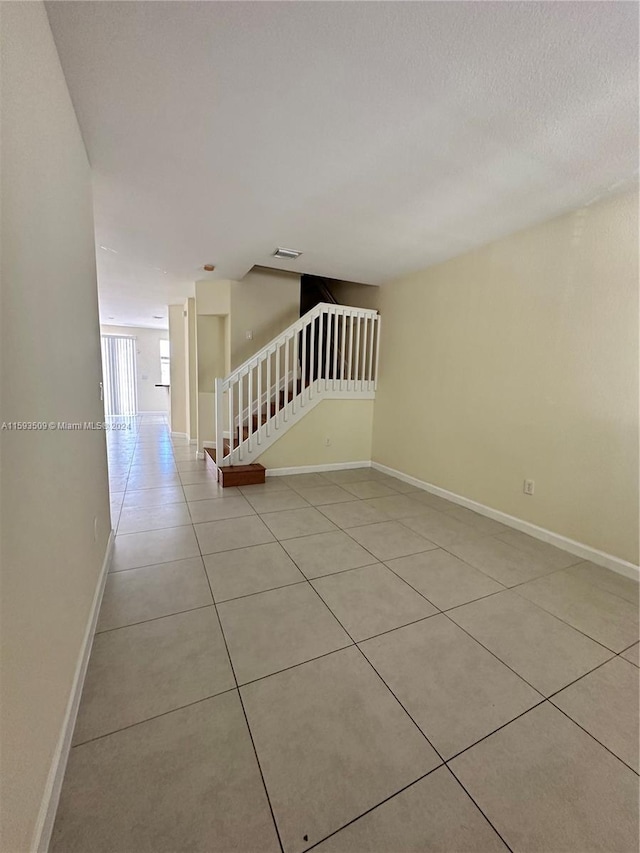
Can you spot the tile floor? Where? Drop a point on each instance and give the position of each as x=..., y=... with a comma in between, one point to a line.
x=341, y=662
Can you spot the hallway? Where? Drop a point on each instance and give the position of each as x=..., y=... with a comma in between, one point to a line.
x=346, y=661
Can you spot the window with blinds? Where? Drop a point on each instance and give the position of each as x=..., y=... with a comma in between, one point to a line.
x=119, y=375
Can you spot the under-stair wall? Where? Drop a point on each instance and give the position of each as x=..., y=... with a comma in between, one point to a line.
x=333, y=433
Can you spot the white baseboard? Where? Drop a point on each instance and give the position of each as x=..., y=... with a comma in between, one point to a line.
x=179, y=435
x=586, y=552
x=51, y=796
x=622, y=567
x=312, y=469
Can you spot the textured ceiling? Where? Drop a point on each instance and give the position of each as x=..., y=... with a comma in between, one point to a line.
x=378, y=138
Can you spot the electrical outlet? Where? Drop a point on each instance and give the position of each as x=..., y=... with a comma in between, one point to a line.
x=249, y=334
x=529, y=487
x=327, y=442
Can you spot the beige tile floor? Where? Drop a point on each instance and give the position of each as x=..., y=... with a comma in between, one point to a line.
x=342, y=662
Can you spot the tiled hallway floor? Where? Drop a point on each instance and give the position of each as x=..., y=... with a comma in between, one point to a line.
x=344, y=661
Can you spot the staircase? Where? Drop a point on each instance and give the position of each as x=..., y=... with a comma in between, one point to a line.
x=331, y=352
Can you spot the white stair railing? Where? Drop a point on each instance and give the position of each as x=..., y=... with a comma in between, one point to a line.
x=330, y=352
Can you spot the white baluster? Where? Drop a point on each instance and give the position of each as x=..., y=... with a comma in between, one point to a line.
x=375, y=380
x=304, y=363
x=278, y=352
x=350, y=375
x=295, y=355
x=219, y=420
x=370, y=340
x=356, y=372
x=372, y=337
x=259, y=398
x=322, y=341
x=286, y=379
x=343, y=349
x=268, y=395
x=250, y=409
x=334, y=372
x=230, y=403
x=361, y=348
x=327, y=349
x=313, y=360
x=239, y=452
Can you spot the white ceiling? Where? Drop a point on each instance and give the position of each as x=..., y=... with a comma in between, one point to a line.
x=378, y=138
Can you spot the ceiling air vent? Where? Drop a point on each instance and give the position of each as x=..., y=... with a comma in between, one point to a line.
x=286, y=254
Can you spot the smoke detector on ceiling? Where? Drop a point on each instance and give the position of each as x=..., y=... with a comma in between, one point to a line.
x=286, y=254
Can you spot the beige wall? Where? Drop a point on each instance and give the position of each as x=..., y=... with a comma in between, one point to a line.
x=54, y=483
x=211, y=331
x=264, y=302
x=150, y=398
x=213, y=350
x=178, y=394
x=191, y=368
x=346, y=423
x=213, y=296
x=520, y=360
x=356, y=295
